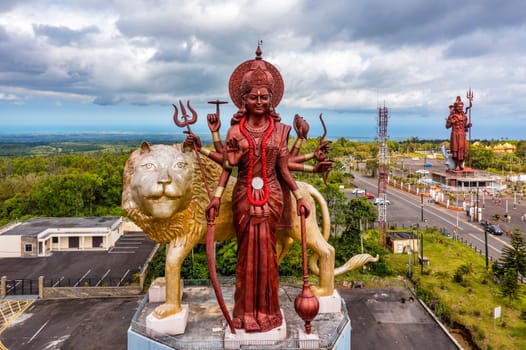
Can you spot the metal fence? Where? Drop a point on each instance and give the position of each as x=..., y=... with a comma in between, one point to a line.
x=22, y=287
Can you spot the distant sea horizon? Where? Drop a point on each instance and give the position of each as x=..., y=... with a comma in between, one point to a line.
x=362, y=133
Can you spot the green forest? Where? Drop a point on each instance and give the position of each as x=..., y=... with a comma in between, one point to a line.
x=84, y=178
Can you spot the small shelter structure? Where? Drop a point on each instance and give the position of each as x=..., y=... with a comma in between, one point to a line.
x=402, y=242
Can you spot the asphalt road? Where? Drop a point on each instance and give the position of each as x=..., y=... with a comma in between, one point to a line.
x=392, y=319
x=407, y=210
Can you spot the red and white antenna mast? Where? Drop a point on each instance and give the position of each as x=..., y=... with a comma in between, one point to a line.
x=383, y=168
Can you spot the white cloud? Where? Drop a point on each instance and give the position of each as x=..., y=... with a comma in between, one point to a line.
x=338, y=55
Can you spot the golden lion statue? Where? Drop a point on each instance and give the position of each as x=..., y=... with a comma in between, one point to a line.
x=165, y=196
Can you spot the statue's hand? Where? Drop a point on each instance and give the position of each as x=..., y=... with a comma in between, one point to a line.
x=302, y=207
x=232, y=151
x=301, y=127
x=191, y=141
x=322, y=150
x=212, y=210
x=232, y=145
x=323, y=167
x=214, y=123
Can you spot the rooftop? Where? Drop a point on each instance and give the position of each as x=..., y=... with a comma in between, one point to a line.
x=401, y=235
x=34, y=226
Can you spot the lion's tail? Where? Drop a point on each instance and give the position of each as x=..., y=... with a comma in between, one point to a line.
x=355, y=262
x=325, y=226
x=324, y=210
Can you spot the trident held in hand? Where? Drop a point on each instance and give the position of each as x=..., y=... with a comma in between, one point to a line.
x=469, y=96
x=185, y=122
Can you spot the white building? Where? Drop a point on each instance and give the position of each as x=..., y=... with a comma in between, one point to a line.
x=41, y=236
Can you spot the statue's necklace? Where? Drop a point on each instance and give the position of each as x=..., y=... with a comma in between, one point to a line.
x=256, y=182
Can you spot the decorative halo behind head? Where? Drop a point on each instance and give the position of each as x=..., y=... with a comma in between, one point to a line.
x=255, y=73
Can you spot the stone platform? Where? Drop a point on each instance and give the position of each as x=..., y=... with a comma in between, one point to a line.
x=206, y=325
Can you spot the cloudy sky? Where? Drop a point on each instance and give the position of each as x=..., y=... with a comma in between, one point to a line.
x=119, y=65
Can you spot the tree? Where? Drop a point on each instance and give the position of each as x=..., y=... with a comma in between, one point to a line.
x=227, y=258
x=358, y=210
x=514, y=257
x=336, y=202
x=372, y=166
x=510, y=287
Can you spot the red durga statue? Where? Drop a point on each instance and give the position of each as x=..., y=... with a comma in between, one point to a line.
x=257, y=144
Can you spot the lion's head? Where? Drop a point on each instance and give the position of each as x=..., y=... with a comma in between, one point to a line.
x=160, y=183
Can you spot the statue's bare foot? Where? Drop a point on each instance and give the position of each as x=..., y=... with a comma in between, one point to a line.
x=166, y=310
x=320, y=291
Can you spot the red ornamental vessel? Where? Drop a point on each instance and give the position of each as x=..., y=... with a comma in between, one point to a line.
x=306, y=304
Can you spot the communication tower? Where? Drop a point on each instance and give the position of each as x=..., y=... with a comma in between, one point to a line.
x=383, y=162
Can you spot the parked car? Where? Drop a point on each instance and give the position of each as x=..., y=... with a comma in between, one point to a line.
x=494, y=230
x=369, y=195
x=381, y=201
x=446, y=233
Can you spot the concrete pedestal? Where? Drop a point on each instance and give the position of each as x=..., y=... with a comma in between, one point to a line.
x=207, y=329
x=308, y=341
x=157, y=290
x=171, y=325
x=259, y=339
x=331, y=303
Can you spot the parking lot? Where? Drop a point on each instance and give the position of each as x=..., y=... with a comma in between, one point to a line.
x=95, y=323
x=74, y=268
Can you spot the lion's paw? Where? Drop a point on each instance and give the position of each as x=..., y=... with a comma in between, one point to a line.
x=166, y=310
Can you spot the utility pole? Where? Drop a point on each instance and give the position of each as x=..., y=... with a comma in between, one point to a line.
x=422, y=207
x=421, y=253
x=486, y=245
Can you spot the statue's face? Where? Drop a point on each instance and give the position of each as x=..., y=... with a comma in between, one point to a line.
x=258, y=100
x=459, y=107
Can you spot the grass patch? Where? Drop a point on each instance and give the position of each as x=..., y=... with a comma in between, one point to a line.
x=457, y=286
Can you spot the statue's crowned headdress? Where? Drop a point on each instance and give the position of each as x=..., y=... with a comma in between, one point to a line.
x=255, y=73
x=459, y=101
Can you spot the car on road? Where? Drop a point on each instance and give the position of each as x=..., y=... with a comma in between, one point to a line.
x=381, y=201
x=484, y=224
x=368, y=195
x=494, y=230
x=357, y=191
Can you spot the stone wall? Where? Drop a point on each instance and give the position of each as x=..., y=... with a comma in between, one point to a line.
x=89, y=292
